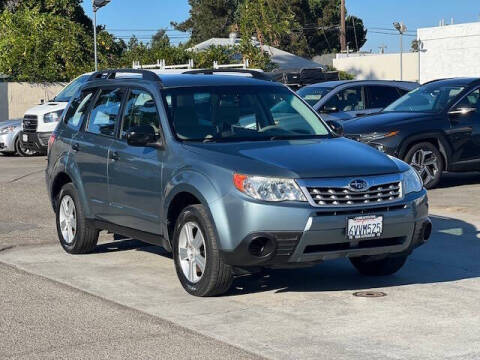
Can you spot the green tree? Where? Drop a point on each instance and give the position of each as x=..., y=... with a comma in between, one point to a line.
x=209, y=18
x=38, y=46
x=160, y=39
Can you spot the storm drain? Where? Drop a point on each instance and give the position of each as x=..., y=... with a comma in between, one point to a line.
x=369, y=294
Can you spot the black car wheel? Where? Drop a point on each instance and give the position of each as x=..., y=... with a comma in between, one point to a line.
x=427, y=162
x=21, y=150
x=200, y=267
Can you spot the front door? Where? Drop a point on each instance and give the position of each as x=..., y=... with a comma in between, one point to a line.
x=465, y=128
x=90, y=149
x=135, y=173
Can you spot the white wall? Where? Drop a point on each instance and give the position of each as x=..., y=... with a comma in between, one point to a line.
x=379, y=66
x=450, y=51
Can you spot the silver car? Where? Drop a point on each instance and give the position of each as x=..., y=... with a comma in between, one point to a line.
x=346, y=99
x=10, y=143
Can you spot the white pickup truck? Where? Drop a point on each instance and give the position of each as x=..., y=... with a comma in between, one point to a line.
x=40, y=121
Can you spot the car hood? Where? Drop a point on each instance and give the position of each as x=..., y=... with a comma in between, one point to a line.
x=15, y=122
x=382, y=121
x=46, y=108
x=337, y=157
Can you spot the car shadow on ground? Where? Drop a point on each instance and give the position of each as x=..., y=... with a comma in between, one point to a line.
x=451, y=254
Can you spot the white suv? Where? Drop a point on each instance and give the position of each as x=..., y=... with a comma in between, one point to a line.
x=40, y=121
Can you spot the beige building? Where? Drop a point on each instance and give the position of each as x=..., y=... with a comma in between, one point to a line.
x=18, y=97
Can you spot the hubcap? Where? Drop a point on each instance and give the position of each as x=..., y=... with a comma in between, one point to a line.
x=425, y=163
x=191, y=252
x=68, y=219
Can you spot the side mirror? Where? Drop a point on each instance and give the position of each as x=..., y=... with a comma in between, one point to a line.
x=42, y=101
x=143, y=135
x=336, y=127
x=329, y=109
x=461, y=111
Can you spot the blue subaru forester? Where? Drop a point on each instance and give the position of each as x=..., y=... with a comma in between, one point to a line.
x=231, y=174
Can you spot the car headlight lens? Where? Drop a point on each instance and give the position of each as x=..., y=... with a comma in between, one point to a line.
x=377, y=136
x=411, y=181
x=52, y=116
x=268, y=189
x=7, y=130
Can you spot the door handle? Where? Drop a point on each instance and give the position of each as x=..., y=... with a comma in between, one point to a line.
x=75, y=147
x=114, y=155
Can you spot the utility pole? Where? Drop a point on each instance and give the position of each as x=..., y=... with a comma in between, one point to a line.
x=401, y=28
x=382, y=48
x=343, y=34
x=96, y=4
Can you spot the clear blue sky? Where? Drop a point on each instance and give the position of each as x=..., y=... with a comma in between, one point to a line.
x=133, y=16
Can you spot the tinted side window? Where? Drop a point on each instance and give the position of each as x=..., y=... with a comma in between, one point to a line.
x=472, y=100
x=140, y=109
x=381, y=96
x=350, y=99
x=104, y=113
x=77, y=111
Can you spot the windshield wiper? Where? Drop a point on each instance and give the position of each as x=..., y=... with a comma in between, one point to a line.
x=296, y=137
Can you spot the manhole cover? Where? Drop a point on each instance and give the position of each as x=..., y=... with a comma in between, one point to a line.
x=369, y=294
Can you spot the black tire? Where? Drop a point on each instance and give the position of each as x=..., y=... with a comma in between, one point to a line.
x=383, y=267
x=217, y=276
x=86, y=237
x=20, y=151
x=432, y=178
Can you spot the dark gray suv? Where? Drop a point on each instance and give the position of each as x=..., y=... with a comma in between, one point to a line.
x=231, y=174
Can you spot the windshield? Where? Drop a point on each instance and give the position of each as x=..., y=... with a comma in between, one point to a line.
x=240, y=113
x=312, y=95
x=70, y=90
x=433, y=97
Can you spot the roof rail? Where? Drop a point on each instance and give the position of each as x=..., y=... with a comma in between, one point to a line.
x=112, y=74
x=255, y=73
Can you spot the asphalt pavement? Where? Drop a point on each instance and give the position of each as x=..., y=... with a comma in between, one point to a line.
x=124, y=301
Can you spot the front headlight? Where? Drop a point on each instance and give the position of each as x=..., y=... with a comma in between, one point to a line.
x=377, y=136
x=52, y=116
x=268, y=189
x=7, y=130
x=411, y=181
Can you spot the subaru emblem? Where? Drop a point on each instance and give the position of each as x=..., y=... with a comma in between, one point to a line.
x=358, y=185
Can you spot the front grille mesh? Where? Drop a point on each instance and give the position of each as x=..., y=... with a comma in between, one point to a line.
x=30, y=123
x=338, y=196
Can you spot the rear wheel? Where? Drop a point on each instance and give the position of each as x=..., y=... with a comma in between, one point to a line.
x=199, y=265
x=75, y=234
x=427, y=162
x=21, y=150
x=388, y=266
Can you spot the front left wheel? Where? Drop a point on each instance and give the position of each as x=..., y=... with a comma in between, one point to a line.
x=199, y=265
x=21, y=150
x=75, y=234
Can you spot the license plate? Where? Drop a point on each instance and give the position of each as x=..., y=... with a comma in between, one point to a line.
x=364, y=227
x=25, y=138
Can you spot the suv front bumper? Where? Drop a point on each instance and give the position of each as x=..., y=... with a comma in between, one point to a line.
x=35, y=141
x=317, y=234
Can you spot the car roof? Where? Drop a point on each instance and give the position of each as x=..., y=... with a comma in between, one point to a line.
x=187, y=80
x=333, y=84
x=460, y=81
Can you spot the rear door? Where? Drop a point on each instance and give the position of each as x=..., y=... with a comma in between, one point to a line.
x=379, y=97
x=135, y=173
x=90, y=148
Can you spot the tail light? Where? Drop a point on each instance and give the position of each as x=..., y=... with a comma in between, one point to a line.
x=51, y=140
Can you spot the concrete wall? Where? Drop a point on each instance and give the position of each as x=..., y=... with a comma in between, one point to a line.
x=379, y=66
x=16, y=98
x=450, y=51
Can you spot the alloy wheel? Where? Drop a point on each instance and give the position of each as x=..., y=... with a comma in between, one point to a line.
x=68, y=219
x=425, y=163
x=192, y=252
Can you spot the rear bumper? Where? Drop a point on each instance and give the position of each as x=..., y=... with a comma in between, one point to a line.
x=406, y=226
x=36, y=141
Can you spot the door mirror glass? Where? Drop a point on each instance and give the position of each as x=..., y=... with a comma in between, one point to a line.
x=142, y=135
x=336, y=127
x=329, y=109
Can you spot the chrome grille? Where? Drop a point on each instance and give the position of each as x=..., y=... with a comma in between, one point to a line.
x=341, y=196
x=30, y=123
